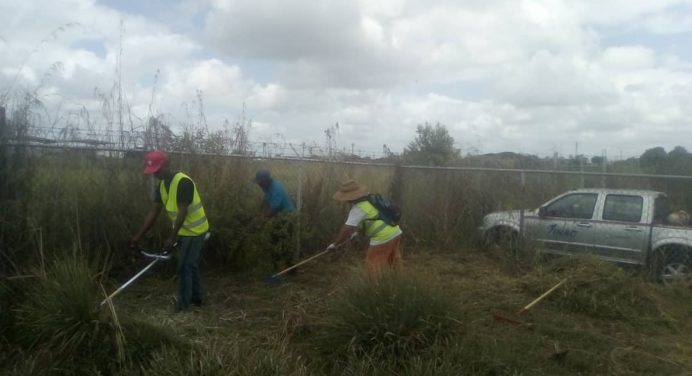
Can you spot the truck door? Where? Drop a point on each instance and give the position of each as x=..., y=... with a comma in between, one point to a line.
x=622, y=230
x=566, y=225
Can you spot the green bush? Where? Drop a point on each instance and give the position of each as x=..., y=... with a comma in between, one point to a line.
x=391, y=319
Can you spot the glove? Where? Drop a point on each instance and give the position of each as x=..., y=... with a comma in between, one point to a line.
x=331, y=247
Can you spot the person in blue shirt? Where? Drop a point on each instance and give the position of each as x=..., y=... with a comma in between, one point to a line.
x=278, y=207
x=276, y=199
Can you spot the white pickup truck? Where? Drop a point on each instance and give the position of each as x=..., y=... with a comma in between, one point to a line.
x=624, y=226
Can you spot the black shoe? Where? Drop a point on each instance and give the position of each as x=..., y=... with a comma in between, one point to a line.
x=196, y=302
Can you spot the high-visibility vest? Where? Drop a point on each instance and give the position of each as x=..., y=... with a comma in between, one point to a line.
x=376, y=229
x=196, y=220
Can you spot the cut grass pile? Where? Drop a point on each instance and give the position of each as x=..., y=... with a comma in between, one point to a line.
x=602, y=290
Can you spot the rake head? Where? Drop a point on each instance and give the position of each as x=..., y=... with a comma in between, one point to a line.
x=273, y=280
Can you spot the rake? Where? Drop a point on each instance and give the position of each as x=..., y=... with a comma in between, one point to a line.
x=275, y=280
x=505, y=318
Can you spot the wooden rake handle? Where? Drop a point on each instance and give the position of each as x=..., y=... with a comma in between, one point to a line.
x=301, y=263
x=353, y=236
x=545, y=294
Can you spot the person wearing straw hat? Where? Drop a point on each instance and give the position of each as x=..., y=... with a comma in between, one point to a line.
x=385, y=240
x=178, y=195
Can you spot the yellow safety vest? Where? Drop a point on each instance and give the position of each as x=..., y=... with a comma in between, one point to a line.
x=376, y=229
x=196, y=220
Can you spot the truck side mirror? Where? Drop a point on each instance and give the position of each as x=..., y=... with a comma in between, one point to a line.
x=541, y=211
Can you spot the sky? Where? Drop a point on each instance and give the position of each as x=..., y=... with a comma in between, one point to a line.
x=526, y=76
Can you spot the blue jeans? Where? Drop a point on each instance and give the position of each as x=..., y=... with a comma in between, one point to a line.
x=189, y=288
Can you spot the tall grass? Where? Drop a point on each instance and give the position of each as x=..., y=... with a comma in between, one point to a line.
x=389, y=320
x=100, y=200
x=58, y=326
x=232, y=357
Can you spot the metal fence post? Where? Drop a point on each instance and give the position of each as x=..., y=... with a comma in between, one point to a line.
x=604, y=168
x=522, y=175
x=3, y=154
x=299, y=206
x=3, y=122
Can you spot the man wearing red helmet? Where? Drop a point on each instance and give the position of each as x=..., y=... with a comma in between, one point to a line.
x=178, y=195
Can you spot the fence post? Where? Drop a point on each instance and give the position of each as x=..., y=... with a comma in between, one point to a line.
x=3, y=122
x=604, y=168
x=299, y=207
x=3, y=154
x=523, y=206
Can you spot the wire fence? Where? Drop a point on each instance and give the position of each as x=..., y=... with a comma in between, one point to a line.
x=629, y=218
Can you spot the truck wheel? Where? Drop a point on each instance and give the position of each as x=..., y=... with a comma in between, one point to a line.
x=501, y=238
x=674, y=266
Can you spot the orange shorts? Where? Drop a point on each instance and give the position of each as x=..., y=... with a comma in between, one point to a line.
x=387, y=254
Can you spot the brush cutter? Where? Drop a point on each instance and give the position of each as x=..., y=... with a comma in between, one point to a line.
x=275, y=280
x=163, y=255
x=502, y=317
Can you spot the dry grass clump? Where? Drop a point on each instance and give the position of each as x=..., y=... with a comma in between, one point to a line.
x=59, y=328
x=389, y=320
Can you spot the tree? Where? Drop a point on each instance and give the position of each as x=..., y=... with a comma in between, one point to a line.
x=678, y=161
x=432, y=146
x=653, y=159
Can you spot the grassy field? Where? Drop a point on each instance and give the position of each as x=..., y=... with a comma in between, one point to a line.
x=437, y=318
x=602, y=321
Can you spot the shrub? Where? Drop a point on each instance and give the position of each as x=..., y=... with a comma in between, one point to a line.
x=391, y=319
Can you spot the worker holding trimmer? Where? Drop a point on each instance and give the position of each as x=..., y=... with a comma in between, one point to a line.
x=377, y=219
x=178, y=194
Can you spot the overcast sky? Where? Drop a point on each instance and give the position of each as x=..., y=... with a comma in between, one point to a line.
x=502, y=75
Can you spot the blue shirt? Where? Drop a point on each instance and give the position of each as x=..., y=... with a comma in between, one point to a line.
x=277, y=199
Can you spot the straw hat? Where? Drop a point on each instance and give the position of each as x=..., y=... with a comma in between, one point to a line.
x=350, y=190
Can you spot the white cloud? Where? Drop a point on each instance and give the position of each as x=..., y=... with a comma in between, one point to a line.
x=527, y=75
x=669, y=23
